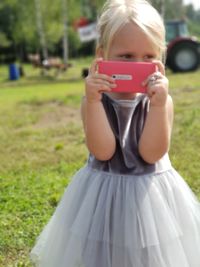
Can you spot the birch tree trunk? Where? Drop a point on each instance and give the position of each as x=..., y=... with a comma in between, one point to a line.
x=40, y=29
x=65, y=35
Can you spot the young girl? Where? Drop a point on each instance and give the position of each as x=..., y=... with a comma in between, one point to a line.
x=127, y=207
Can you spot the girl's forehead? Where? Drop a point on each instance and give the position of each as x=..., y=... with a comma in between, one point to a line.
x=132, y=36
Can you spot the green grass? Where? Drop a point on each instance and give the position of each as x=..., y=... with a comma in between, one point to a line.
x=42, y=145
x=186, y=134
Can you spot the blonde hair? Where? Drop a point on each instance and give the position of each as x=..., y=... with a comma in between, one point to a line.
x=117, y=13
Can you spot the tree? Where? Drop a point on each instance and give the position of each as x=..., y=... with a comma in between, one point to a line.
x=65, y=32
x=4, y=42
x=193, y=19
x=169, y=9
x=40, y=28
x=19, y=30
x=160, y=6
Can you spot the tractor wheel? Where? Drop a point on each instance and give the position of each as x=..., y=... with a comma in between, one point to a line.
x=183, y=57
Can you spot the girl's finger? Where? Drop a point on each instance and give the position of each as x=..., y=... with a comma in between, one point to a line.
x=102, y=88
x=159, y=66
x=152, y=78
x=93, y=68
x=104, y=77
x=104, y=82
x=152, y=90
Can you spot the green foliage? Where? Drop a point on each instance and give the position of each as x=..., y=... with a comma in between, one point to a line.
x=4, y=42
x=172, y=9
x=52, y=21
x=19, y=27
x=194, y=29
x=75, y=43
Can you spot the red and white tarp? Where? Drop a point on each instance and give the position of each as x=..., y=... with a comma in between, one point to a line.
x=88, y=32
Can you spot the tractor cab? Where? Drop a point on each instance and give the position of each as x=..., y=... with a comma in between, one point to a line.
x=176, y=29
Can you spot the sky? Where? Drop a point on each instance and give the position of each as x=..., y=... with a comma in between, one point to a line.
x=196, y=3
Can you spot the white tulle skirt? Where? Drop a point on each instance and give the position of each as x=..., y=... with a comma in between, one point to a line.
x=106, y=220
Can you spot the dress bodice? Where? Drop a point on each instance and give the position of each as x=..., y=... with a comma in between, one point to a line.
x=127, y=118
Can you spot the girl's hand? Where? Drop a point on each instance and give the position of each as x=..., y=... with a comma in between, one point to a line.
x=96, y=84
x=157, y=86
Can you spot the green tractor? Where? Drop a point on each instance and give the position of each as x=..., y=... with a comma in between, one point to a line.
x=183, y=50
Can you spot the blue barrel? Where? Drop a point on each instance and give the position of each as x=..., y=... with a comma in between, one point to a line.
x=13, y=72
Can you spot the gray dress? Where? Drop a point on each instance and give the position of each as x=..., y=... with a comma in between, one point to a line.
x=123, y=212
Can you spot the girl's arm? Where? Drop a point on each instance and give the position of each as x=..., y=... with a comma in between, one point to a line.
x=100, y=139
x=155, y=139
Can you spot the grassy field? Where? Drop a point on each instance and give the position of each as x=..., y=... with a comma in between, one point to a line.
x=42, y=145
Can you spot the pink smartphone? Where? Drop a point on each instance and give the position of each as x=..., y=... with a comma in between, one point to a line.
x=128, y=75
